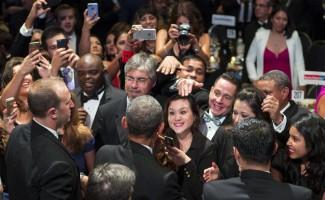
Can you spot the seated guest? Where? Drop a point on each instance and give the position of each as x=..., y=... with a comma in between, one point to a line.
x=320, y=103
x=307, y=154
x=143, y=120
x=277, y=84
x=110, y=182
x=254, y=145
x=192, y=152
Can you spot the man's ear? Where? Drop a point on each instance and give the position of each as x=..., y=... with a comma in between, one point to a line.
x=161, y=128
x=124, y=122
x=52, y=113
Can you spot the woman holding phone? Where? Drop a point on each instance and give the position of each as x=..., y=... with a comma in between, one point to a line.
x=190, y=151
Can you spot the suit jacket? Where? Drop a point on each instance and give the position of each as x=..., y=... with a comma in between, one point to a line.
x=107, y=127
x=293, y=113
x=110, y=94
x=48, y=173
x=153, y=182
x=202, y=154
x=255, y=185
x=256, y=53
x=204, y=129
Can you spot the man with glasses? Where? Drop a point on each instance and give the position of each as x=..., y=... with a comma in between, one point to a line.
x=262, y=11
x=95, y=88
x=140, y=78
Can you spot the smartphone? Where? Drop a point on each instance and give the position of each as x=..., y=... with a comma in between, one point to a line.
x=169, y=141
x=92, y=10
x=63, y=43
x=34, y=46
x=10, y=105
x=145, y=34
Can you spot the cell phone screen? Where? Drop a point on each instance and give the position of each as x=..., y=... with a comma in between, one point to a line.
x=63, y=43
x=92, y=9
x=169, y=141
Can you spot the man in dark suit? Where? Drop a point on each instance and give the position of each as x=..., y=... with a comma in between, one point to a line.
x=254, y=145
x=277, y=84
x=140, y=77
x=38, y=166
x=144, y=121
x=221, y=100
x=95, y=88
x=262, y=11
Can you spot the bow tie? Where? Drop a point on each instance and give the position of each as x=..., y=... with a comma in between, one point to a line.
x=264, y=25
x=208, y=118
x=84, y=98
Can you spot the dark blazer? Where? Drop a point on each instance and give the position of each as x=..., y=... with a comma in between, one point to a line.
x=153, y=182
x=107, y=127
x=202, y=154
x=48, y=173
x=293, y=112
x=224, y=151
x=204, y=129
x=111, y=94
x=252, y=184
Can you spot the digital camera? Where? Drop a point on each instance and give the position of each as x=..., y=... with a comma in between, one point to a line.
x=184, y=30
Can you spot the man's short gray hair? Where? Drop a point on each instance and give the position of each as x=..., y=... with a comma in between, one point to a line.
x=143, y=62
x=110, y=181
x=280, y=78
x=143, y=116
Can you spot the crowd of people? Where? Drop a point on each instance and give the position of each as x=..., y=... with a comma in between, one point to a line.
x=90, y=111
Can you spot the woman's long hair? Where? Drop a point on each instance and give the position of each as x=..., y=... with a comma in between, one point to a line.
x=312, y=128
x=76, y=135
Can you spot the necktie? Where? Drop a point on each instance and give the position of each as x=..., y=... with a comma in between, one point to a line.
x=208, y=118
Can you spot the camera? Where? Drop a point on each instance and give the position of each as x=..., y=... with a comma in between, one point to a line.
x=184, y=30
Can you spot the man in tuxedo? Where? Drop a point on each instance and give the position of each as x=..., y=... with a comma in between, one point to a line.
x=221, y=100
x=95, y=88
x=277, y=84
x=140, y=78
x=262, y=11
x=254, y=145
x=144, y=121
x=38, y=165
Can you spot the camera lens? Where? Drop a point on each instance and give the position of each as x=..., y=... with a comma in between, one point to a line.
x=183, y=38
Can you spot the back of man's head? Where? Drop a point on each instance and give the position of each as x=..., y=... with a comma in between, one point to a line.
x=110, y=182
x=43, y=95
x=254, y=141
x=144, y=116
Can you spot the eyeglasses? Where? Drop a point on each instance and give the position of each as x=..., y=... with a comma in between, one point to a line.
x=261, y=5
x=140, y=80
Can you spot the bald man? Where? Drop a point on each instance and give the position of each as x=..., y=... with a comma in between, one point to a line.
x=95, y=88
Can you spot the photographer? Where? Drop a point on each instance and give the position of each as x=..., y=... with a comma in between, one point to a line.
x=185, y=35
